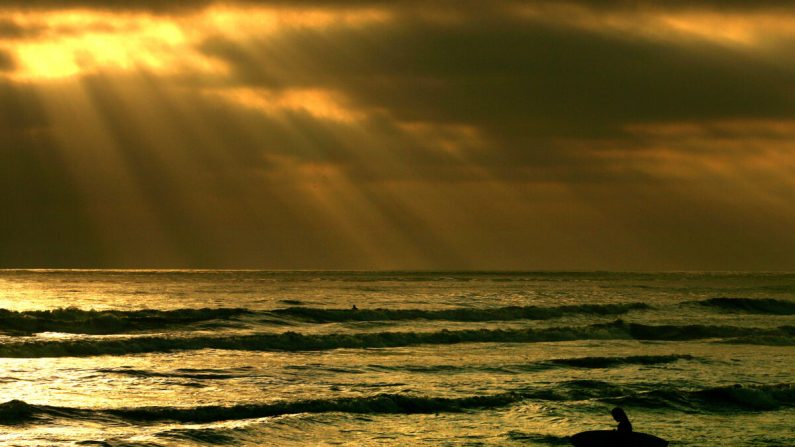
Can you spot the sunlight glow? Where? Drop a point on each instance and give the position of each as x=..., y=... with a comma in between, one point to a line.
x=84, y=42
x=191, y=135
x=719, y=27
x=319, y=103
x=73, y=42
x=242, y=22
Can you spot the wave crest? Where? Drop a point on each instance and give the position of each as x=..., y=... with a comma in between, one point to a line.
x=716, y=400
x=709, y=400
x=607, y=362
x=293, y=341
x=16, y=411
x=79, y=321
x=767, y=306
x=509, y=313
x=378, y=404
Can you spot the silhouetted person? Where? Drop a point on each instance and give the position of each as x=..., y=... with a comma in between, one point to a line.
x=624, y=429
x=624, y=426
x=622, y=436
x=354, y=307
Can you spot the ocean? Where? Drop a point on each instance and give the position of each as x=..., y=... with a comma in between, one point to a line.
x=277, y=358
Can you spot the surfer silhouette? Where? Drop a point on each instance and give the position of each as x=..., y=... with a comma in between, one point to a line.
x=624, y=426
x=622, y=436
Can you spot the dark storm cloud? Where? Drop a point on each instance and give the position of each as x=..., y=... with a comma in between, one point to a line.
x=512, y=140
x=492, y=71
x=526, y=84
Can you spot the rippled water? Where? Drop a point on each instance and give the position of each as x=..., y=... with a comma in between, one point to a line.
x=176, y=358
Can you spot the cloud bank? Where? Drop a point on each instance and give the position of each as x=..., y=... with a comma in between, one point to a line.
x=515, y=135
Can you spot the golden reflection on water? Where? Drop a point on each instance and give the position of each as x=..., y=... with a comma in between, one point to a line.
x=552, y=401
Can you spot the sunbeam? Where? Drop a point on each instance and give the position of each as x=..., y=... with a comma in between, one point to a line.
x=376, y=135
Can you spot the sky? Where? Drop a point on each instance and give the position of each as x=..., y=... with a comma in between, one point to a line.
x=444, y=135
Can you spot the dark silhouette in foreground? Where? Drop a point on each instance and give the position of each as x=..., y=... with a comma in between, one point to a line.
x=624, y=426
x=622, y=436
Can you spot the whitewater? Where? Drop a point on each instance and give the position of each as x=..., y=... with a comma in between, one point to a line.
x=295, y=358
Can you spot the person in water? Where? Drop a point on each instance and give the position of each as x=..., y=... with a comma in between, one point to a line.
x=624, y=426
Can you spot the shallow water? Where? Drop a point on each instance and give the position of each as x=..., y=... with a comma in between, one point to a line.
x=175, y=358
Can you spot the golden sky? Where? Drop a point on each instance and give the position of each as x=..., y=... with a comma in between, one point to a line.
x=583, y=135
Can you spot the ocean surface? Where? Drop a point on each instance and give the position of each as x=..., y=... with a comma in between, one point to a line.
x=250, y=358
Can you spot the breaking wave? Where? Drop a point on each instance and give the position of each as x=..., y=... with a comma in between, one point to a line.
x=732, y=398
x=293, y=341
x=718, y=399
x=17, y=411
x=378, y=404
x=79, y=321
x=735, y=398
x=182, y=373
x=574, y=362
x=106, y=322
x=609, y=362
x=751, y=305
x=319, y=315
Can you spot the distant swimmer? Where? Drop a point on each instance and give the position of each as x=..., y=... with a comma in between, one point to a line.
x=624, y=426
x=354, y=307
